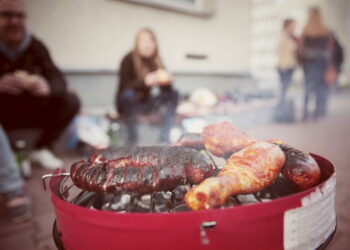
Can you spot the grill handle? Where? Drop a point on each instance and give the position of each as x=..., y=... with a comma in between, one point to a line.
x=46, y=176
x=203, y=227
x=208, y=225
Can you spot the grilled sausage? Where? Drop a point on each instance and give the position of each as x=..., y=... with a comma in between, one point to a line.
x=249, y=170
x=300, y=169
x=141, y=169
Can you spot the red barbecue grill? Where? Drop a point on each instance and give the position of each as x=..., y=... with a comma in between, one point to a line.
x=274, y=218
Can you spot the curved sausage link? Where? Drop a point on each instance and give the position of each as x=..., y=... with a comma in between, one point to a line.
x=141, y=169
x=300, y=170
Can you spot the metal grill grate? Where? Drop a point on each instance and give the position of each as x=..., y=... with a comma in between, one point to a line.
x=170, y=201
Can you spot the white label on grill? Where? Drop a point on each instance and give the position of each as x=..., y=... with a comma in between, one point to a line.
x=308, y=226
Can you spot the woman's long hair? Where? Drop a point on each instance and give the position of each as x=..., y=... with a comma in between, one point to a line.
x=142, y=66
x=315, y=26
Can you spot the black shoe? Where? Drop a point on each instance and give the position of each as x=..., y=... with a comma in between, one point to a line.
x=18, y=206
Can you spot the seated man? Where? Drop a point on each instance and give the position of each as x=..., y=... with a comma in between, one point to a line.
x=141, y=73
x=17, y=203
x=33, y=92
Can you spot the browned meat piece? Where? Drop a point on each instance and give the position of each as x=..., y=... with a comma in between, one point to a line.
x=249, y=170
x=224, y=139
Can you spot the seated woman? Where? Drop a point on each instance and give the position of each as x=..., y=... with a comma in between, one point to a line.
x=145, y=86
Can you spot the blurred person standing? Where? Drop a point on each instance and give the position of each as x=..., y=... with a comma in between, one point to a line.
x=142, y=73
x=287, y=56
x=33, y=92
x=16, y=202
x=317, y=59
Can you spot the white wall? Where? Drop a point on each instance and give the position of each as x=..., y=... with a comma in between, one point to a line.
x=96, y=34
x=347, y=38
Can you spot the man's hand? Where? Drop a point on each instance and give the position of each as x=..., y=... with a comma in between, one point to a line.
x=38, y=86
x=11, y=84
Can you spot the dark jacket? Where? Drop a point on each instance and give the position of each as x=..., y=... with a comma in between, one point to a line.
x=338, y=55
x=326, y=49
x=128, y=80
x=314, y=49
x=36, y=59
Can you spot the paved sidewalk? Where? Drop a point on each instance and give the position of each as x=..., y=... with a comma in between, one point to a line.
x=329, y=137
x=37, y=233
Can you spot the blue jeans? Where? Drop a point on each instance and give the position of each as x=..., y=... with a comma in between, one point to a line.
x=317, y=87
x=131, y=106
x=10, y=179
x=285, y=79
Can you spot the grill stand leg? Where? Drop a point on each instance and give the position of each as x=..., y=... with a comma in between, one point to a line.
x=57, y=236
x=152, y=203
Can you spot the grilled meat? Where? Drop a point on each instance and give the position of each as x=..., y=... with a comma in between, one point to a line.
x=300, y=169
x=141, y=169
x=224, y=139
x=249, y=170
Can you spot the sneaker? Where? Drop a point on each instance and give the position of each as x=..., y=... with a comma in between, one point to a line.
x=46, y=159
x=18, y=206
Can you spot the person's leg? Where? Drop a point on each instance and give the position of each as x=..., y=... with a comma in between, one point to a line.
x=322, y=96
x=310, y=75
x=321, y=88
x=327, y=92
x=51, y=115
x=10, y=179
x=284, y=83
x=56, y=116
x=11, y=184
x=285, y=78
x=168, y=100
x=307, y=92
x=129, y=105
x=20, y=111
